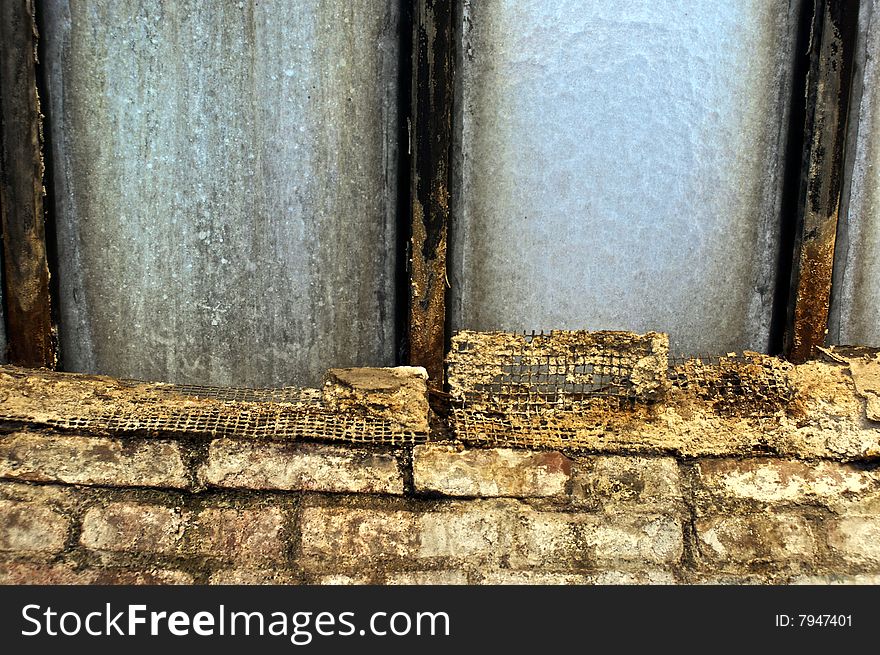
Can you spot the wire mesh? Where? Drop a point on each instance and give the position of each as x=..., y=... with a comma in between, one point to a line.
x=559, y=370
x=262, y=422
x=155, y=409
x=562, y=388
x=748, y=384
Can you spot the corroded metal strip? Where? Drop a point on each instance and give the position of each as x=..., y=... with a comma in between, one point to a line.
x=431, y=137
x=30, y=332
x=831, y=59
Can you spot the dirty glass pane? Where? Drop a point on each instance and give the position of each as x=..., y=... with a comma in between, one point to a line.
x=855, y=318
x=225, y=189
x=619, y=166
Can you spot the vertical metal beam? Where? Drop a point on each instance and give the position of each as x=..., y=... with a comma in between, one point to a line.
x=431, y=141
x=30, y=332
x=832, y=46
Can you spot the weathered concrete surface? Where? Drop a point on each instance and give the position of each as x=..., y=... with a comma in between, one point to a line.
x=584, y=360
x=854, y=317
x=225, y=187
x=763, y=406
x=620, y=167
x=866, y=376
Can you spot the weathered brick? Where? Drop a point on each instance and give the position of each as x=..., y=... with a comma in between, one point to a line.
x=253, y=577
x=59, y=497
x=773, y=481
x=473, y=530
x=734, y=579
x=339, y=580
x=31, y=528
x=508, y=577
x=92, y=461
x=20, y=573
x=863, y=504
x=115, y=576
x=556, y=540
x=489, y=472
x=640, y=539
x=649, y=577
x=353, y=534
x=297, y=466
x=829, y=579
x=427, y=578
x=772, y=538
x=478, y=530
x=486, y=533
x=245, y=536
x=134, y=527
x=856, y=539
x=640, y=483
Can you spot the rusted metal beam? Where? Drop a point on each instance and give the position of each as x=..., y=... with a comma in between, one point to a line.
x=431, y=140
x=832, y=47
x=30, y=332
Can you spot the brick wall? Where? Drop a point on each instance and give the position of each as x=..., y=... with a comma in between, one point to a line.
x=81, y=509
x=172, y=507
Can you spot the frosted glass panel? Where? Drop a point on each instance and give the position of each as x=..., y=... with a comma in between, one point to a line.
x=619, y=166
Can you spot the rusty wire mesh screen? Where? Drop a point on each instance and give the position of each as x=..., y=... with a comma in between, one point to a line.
x=749, y=384
x=263, y=422
x=557, y=370
x=561, y=388
x=111, y=406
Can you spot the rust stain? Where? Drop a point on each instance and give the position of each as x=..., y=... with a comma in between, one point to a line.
x=427, y=307
x=828, y=96
x=432, y=137
x=813, y=296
